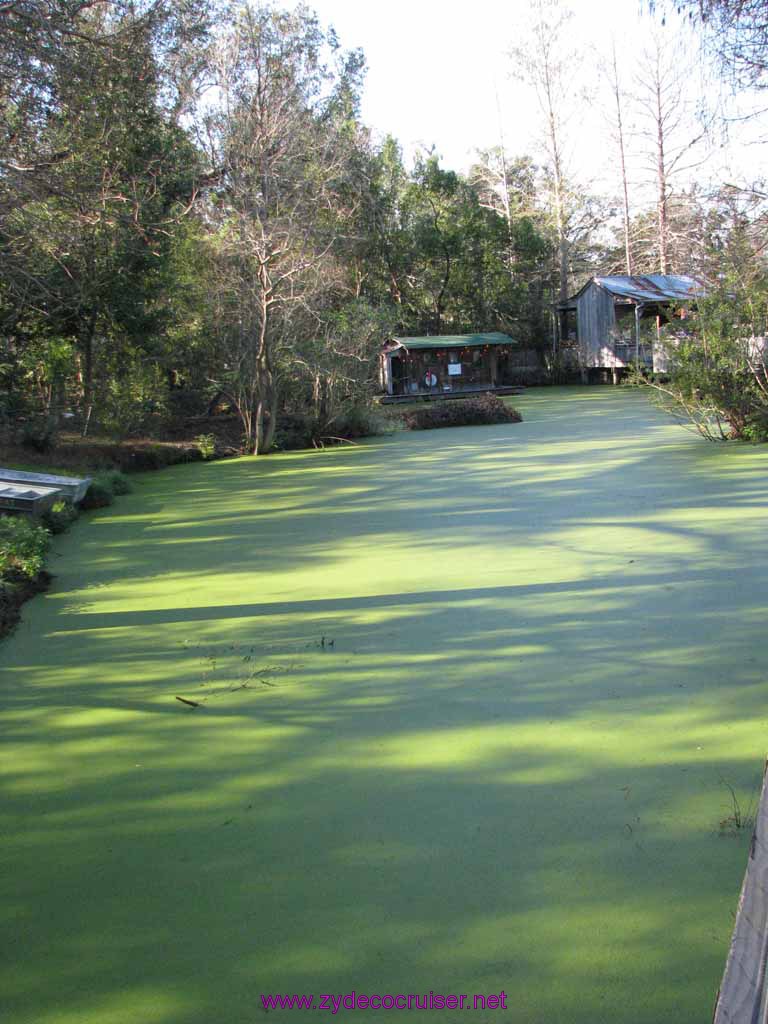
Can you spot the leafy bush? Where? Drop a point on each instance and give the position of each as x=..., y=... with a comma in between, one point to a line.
x=104, y=487
x=132, y=399
x=60, y=517
x=756, y=429
x=39, y=434
x=303, y=429
x=23, y=546
x=717, y=383
x=461, y=412
x=154, y=456
x=117, y=482
x=294, y=430
x=527, y=376
x=716, y=354
x=358, y=420
x=185, y=402
x=98, y=495
x=206, y=445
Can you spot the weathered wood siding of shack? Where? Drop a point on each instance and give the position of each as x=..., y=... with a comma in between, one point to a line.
x=596, y=323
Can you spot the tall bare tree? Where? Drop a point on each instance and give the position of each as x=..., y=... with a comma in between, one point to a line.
x=508, y=188
x=281, y=136
x=547, y=63
x=617, y=119
x=736, y=31
x=672, y=129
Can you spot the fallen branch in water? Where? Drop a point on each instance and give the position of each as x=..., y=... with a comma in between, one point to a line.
x=190, y=703
x=318, y=442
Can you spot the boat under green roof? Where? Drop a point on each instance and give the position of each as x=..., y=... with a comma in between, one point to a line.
x=456, y=340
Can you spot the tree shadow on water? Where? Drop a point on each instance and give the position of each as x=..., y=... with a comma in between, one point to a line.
x=462, y=731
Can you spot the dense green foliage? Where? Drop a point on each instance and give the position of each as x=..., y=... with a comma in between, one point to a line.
x=117, y=482
x=94, y=178
x=193, y=217
x=23, y=546
x=60, y=517
x=104, y=487
x=192, y=211
x=717, y=378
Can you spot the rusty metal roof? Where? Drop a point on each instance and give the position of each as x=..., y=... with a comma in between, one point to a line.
x=652, y=287
x=440, y=341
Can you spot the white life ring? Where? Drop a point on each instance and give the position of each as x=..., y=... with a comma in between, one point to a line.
x=430, y=379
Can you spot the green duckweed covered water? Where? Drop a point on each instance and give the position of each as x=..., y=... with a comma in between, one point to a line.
x=543, y=652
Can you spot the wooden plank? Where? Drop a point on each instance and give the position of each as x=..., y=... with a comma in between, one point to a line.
x=595, y=326
x=742, y=998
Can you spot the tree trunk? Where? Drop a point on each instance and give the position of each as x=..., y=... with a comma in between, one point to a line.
x=505, y=202
x=559, y=183
x=86, y=342
x=269, y=433
x=622, y=163
x=257, y=429
x=54, y=405
x=662, y=179
x=262, y=372
x=264, y=417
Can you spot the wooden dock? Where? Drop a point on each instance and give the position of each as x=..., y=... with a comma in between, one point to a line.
x=743, y=998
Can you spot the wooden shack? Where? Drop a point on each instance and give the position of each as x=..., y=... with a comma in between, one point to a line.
x=445, y=365
x=616, y=321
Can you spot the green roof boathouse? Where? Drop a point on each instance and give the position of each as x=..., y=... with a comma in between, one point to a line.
x=445, y=366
